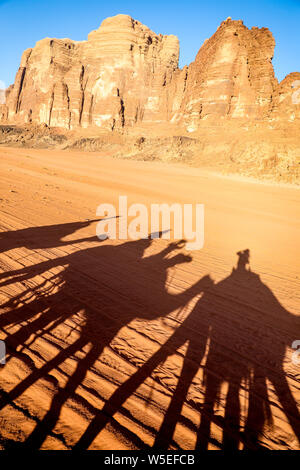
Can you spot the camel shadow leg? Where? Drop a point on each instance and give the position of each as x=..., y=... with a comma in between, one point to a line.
x=41, y=431
x=42, y=372
x=258, y=410
x=189, y=370
x=232, y=418
x=125, y=391
x=288, y=403
x=212, y=390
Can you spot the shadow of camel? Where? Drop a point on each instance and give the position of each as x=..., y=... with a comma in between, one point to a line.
x=237, y=332
x=248, y=332
x=47, y=236
x=119, y=272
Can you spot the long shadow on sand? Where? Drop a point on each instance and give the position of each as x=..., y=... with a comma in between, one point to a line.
x=237, y=327
x=247, y=330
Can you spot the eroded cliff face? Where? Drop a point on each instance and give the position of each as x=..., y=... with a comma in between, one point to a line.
x=286, y=99
x=125, y=75
x=115, y=78
x=232, y=76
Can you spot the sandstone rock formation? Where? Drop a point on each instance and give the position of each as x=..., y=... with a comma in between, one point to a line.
x=115, y=78
x=286, y=99
x=125, y=75
x=2, y=97
x=232, y=76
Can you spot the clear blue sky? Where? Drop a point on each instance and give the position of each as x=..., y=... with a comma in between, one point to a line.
x=22, y=23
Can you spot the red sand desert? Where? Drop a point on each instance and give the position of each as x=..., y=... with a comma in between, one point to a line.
x=134, y=344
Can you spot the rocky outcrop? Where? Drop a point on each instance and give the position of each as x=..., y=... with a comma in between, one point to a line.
x=286, y=99
x=115, y=78
x=2, y=97
x=125, y=75
x=3, y=107
x=232, y=77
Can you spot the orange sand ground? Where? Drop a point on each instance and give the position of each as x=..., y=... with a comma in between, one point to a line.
x=172, y=357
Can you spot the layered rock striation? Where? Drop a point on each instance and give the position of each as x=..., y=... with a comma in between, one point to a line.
x=125, y=75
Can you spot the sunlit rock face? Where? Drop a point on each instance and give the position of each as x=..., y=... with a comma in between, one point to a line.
x=114, y=79
x=286, y=99
x=2, y=96
x=125, y=74
x=231, y=77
